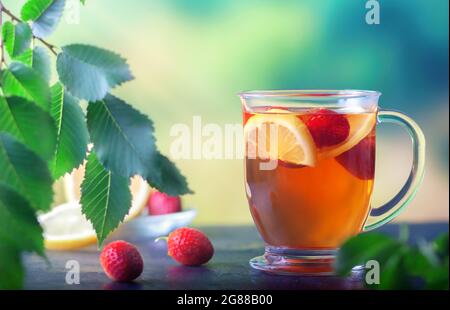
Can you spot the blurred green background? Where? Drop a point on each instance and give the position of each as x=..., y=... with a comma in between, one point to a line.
x=191, y=57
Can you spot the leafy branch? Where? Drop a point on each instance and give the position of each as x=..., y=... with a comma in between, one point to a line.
x=14, y=18
x=44, y=133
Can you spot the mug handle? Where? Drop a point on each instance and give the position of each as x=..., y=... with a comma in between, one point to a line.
x=387, y=212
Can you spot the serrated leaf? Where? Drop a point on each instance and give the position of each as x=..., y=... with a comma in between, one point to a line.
x=172, y=181
x=17, y=38
x=73, y=136
x=41, y=63
x=33, y=9
x=26, y=172
x=105, y=198
x=26, y=58
x=89, y=72
x=39, y=60
x=18, y=223
x=45, y=15
x=11, y=269
x=123, y=138
x=46, y=24
x=29, y=124
x=22, y=81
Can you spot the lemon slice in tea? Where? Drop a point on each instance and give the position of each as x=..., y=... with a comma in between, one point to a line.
x=295, y=144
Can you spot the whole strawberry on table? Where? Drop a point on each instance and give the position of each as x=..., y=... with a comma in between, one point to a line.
x=122, y=262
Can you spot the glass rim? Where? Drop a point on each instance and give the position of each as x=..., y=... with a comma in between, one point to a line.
x=310, y=94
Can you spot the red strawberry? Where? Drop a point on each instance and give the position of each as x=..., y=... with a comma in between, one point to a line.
x=190, y=247
x=360, y=160
x=328, y=128
x=161, y=203
x=121, y=261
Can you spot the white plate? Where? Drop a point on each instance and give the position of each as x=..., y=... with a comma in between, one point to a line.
x=161, y=225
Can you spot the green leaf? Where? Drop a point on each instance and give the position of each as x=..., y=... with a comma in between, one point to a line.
x=11, y=269
x=437, y=278
x=123, y=138
x=440, y=245
x=417, y=266
x=41, y=63
x=73, y=136
x=45, y=15
x=33, y=9
x=22, y=81
x=393, y=274
x=26, y=172
x=18, y=224
x=362, y=248
x=26, y=58
x=39, y=60
x=172, y=181
x=29, y=124
x=46, y=24
x=17, y=38
x=105, y=198
x=124, y=143
x=89, y=72
x=416, y=262
x=8, y=123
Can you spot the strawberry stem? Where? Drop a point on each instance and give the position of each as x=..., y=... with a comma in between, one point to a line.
x=161, y=238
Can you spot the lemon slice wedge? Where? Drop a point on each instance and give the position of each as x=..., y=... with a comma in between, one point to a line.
x=66, y=228
x=360, y=127
x=295, y=144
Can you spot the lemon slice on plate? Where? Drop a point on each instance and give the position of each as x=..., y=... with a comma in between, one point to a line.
x=66, y=228
x=360, y=127
x=295, y=144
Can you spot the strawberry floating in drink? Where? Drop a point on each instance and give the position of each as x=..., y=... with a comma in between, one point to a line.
x=360, y=160
x=328, y=128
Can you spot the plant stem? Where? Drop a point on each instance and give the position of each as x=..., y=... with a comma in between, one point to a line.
x=50, y=46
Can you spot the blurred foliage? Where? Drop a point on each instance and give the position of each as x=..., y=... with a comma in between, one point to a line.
x=401, y=265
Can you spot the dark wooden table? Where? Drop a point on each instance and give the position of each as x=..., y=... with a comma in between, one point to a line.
x=229, y=269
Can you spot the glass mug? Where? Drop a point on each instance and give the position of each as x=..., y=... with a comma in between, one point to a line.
x=309, y=173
